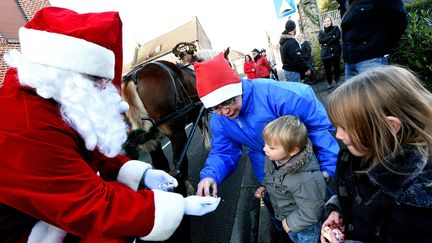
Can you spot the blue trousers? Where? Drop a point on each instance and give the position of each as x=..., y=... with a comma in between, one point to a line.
x=292, y=76
x=308, y=235
x=352, y=69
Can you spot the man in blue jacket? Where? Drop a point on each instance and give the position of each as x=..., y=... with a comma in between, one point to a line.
x=370, y=29
x=242, y=108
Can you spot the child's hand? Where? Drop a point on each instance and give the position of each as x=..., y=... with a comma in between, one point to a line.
x=259, y=193
x=327, y=177
x=285, y=226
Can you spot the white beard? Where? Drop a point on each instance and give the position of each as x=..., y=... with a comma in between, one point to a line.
x=93, y=112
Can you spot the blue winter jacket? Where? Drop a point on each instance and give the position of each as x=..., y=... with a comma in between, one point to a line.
x=264, y=100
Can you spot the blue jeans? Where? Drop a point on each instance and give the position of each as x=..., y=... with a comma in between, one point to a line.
x=292, y=76
x=353, y=69
x=282, y=236
x=308, y=235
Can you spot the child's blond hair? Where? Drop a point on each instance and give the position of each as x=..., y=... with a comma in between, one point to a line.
x=288, y=131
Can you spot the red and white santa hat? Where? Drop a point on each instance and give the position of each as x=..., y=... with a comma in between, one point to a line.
x=216, y=82
x=89, y=43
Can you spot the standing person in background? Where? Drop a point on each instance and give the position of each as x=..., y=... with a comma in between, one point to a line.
x=370, y=29
x=262, y=65
x=65, y=179
x=273, y=72
x=249, y=67
x=293, y=180
x=293, y=61
x=186, y=53
x=306, y=51
x=329, y=38
x=384, y=179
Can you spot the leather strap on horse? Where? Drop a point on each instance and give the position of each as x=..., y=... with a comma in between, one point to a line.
x=174, y=115
x=174, y=78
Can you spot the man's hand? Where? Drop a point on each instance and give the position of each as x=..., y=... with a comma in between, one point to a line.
x=159, y=179
x=198, y=206
x=308, y=72
x=207, y=187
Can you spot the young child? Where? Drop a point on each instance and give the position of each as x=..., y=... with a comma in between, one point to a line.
x=384, y=182
x=293, y=179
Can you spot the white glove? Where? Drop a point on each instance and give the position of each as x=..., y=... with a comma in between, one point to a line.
x=159, y=179
x=198, y=206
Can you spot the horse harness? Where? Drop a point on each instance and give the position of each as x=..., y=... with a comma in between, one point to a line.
x=175, y=79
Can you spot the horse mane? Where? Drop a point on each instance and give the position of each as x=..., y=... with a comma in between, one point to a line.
x=136, y=112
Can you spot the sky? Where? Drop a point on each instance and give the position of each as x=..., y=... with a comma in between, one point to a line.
x=239, y=24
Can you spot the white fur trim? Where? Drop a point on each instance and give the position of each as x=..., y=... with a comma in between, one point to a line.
x=43, y=232
x=131, y=173
x=206, y=54
x=169, y=211
x=66, y=52
x=222, y=94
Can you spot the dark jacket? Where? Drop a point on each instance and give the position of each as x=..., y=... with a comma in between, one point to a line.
x=383, y=206
x=371, y=28
x=306, y=51
x=329, y=38
x=291, y=55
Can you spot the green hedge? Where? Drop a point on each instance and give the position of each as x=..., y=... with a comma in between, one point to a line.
x=414, y=51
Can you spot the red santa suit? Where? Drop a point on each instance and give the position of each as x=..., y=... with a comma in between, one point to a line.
x=47, y=173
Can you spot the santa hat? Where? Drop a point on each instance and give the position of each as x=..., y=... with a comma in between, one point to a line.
x=89, y=43
x=216, y=82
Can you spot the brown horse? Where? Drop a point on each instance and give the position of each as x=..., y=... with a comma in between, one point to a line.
x=163, y=100
x=163, y=96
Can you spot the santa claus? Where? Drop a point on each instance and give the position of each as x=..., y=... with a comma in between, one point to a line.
x=61, y=125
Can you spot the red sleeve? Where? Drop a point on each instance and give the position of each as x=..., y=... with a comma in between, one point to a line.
x=108, y=168
x=50, y=181
x=267, y=63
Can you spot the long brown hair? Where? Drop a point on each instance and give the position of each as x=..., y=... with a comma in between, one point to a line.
x=361, y=104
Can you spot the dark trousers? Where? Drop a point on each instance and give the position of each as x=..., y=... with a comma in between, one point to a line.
x=328, y=64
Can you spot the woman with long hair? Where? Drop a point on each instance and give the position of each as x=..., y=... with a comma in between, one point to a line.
x=384, y=180
x=329, y=38
x=249, y=67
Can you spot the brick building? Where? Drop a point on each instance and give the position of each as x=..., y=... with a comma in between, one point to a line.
x=13, y=15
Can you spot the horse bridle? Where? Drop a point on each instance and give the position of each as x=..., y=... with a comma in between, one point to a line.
x=174, y=78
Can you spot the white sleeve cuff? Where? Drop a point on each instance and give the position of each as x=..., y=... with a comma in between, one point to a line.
x=43, y=232
x=131, y=173
x=169, y=211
